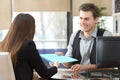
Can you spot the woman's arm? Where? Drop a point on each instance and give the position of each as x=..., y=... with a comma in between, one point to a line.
x=36, y=62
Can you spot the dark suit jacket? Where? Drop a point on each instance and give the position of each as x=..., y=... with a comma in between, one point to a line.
x=28, y=59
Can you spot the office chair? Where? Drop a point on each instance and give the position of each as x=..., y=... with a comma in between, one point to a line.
x=6, y=68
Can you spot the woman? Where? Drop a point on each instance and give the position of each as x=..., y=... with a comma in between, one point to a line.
x=25, y=57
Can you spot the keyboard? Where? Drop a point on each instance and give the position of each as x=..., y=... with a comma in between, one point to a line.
x=101, y=73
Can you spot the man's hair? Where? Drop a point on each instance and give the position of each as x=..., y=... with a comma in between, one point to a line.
x=90, y=7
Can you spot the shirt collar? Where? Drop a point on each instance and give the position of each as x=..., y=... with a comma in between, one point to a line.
x=94, y=34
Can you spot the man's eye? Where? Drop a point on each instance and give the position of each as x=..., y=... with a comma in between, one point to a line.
x=80, y=18
x=86, y=18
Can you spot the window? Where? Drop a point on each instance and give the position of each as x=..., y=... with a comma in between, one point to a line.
x=51, y=29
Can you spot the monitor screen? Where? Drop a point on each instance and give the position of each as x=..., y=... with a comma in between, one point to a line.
x=107, y=52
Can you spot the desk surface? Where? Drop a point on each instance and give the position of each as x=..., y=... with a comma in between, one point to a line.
x=69, y=74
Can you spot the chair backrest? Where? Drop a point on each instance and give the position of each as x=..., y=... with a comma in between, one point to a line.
x=6, y=68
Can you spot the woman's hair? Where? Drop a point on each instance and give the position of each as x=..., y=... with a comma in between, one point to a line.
x=90, y=7
x=21, y=29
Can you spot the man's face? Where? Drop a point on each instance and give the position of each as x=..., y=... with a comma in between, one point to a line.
x=87, y=21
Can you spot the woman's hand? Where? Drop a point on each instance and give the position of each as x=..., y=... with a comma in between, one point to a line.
x=54, y=64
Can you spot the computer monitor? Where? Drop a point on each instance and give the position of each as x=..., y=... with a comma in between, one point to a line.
x=107, y=52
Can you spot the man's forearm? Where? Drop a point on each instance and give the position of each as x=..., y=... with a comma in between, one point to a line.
x=90, y=67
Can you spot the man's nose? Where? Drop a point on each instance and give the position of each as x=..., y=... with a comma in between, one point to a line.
x=82, y=21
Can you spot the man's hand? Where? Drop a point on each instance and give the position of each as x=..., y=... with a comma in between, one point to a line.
x=59, y=53
x=78, y=68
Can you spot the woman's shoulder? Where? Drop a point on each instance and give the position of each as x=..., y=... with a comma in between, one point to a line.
x=28, y=41
x=29, y=44
x=27, y=49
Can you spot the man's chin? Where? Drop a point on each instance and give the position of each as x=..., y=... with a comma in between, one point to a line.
x=83, y=30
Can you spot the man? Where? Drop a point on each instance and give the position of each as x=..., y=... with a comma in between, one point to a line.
x=82, y=43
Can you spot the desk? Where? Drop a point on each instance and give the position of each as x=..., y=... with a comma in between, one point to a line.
x=67, y=74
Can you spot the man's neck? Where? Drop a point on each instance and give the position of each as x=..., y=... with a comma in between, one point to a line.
x=88, y=33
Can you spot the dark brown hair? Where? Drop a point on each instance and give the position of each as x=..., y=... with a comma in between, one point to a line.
x=21, y=29
x=90, y=7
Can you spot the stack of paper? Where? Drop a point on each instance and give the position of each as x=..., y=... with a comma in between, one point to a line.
x=55, y=57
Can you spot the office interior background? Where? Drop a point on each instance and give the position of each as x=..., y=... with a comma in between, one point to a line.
x=55, y=19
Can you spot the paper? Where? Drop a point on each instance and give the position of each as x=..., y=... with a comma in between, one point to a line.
x=64, y=74
x=55, y=57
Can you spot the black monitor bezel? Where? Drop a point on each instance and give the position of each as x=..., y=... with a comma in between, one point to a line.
x=106, y=60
